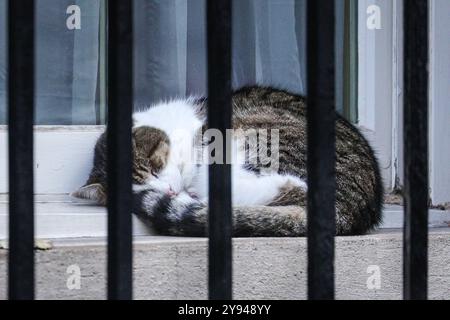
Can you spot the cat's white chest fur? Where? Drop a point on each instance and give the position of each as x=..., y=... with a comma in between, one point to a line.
x=183, y=174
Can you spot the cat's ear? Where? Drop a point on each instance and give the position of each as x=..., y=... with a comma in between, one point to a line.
x=94, y=192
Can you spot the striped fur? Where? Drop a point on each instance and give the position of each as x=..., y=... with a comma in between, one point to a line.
x=359, y=186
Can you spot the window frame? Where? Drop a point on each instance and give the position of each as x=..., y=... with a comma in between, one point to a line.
x=69, y=177
x=380, y=81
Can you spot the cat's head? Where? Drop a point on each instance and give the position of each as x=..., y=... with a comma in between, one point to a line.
x=151, y=149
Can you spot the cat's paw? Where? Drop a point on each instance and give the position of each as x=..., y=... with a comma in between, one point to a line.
x=294, y=181
x=196, y=196
x=192, y=193
x=185, y=198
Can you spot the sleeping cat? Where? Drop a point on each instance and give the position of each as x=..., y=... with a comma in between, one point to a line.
x=170, y=190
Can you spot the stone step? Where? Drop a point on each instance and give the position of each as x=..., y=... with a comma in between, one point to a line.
x=367, y=267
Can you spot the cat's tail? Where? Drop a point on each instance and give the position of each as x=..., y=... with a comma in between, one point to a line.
x=185, y=216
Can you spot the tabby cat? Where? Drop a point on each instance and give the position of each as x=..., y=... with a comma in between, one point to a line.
x=170, y=190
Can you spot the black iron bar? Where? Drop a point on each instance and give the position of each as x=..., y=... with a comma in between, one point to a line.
x=20, y=146
x=415, y=126
x=120, y=104
x=321, y=148
x=219, y=117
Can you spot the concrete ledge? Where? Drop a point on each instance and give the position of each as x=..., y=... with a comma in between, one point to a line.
x=264, y=268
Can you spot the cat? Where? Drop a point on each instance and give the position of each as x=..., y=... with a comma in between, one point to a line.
x=170, y=190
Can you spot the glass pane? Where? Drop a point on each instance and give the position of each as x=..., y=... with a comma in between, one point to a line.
x=350, y=76
x=269, y=48
x=67, y=62
x=346, y=58
x=170, y=47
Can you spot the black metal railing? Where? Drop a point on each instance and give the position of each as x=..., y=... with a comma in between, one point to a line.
x=20, y=146
x=415, y=264
x=120, y=107
x=321, y=149
x=219, y=117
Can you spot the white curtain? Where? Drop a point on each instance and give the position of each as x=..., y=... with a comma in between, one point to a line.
x=269, y=41
x=170, y=47
x=66, y=63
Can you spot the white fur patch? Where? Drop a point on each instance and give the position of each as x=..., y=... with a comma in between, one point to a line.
x=180, y=121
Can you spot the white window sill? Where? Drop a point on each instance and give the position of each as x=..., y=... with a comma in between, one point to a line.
x=59, y=216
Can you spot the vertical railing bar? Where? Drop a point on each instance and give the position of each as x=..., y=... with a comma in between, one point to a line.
x=120, y=104
x=321, y=148
x=20, y=143
x=219, y=117
x=415, y=254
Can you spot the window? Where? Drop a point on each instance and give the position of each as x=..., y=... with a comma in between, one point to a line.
x=269, y=47
x=67, y=62
x=170, y=53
